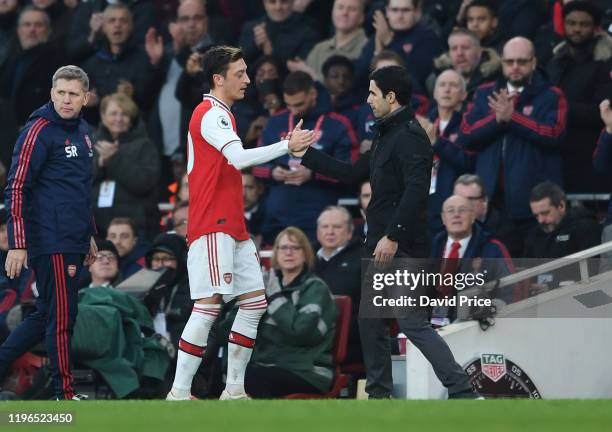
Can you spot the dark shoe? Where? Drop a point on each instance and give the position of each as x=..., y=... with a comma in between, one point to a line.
x=380, y=397
x=467, y=394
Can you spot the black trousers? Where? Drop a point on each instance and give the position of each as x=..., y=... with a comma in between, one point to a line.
x=53, y=321
x=376, y=345
x=268, y=382
x=414, y=323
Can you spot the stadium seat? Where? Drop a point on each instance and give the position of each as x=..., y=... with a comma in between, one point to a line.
x=341, y=380
x=24, y=369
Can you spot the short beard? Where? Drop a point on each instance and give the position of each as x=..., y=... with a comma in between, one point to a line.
x=580, y=45
x=521, y=83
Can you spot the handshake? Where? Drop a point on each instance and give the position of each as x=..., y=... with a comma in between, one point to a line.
x=300, y=139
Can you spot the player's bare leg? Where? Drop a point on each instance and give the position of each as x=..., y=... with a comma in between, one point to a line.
x=192, y=345
x=241, y=341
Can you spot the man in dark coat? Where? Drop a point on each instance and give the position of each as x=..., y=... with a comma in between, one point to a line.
x=85, y=34
x=339, y=265
x=27, y=71
x=560, y=232
x=399, y=168
x=121, y=66
x=280, y=33
x=581, y=67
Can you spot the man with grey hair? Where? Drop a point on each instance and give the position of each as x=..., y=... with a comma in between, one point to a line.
x=50, y=223
x=442, y=126
x=465, y=248
x=25, y=74
x=339, y=265
x=465, y=55
x=490, y=219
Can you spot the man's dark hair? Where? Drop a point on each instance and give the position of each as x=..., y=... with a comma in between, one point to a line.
x=107, y=245
x=217, y=60
x=297, y=82
x=584, y=6
x=31, y=8
x=415, y=3
x=125, y=221
x=387, y=55
x=269, y=59
x=550, y=190
x=394, y=79
x=267, y=87
x=483, y=4
x=337, y=60
x=120, y=6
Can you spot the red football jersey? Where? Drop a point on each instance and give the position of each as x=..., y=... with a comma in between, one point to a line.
x=215, y=186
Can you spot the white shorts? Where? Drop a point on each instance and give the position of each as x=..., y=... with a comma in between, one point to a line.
x=219, y=264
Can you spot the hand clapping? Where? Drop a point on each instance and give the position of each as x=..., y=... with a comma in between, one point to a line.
x=503, y=105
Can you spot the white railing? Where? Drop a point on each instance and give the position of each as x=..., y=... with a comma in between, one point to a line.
x=579, y=257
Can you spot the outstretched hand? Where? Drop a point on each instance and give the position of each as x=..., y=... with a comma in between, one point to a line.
x=300, y=139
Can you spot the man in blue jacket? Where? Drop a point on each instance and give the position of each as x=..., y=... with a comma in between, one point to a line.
x=475, y=250
x=517, y=126
x=297, y=195
x=50, y=222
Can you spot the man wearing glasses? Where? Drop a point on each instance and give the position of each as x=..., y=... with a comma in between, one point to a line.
x=517, y=126
x=105, y=268
x=468, y=245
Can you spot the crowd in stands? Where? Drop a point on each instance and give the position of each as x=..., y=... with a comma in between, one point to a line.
x=510, y=92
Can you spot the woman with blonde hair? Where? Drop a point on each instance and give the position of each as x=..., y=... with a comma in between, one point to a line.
x=293, y=353
x=126, y=166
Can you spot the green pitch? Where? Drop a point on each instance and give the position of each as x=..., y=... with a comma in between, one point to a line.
x=315, y=416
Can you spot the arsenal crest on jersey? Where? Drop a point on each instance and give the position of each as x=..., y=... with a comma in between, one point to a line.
x=72, y=270
x=407, y=47
x=527, y=110
x=227, y=277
